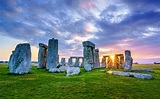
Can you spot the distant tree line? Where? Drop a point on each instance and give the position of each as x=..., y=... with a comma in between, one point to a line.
x=156, y=63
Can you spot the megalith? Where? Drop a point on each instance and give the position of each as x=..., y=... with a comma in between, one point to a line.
x=88, y=53
x=118, y=60
x=76, y=64
x=70, y=61
x=128, y=61
x=96, y=59
x=82, y=63
x=104, y=62
x=20, y=59
x=42, y=55
x=52, y=55
x=63, y=61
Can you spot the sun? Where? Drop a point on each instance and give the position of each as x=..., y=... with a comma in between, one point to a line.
x=112, y=57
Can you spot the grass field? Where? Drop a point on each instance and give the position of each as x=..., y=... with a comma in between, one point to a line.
x=40, y=84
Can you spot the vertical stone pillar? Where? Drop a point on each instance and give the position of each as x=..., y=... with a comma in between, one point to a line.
x=42, y=54
x=70, y=61
x=20, y=59
x=82, y=64
x=56, y=50
x=88, y=53
x=52, y=56
x=128, y=61
x=121, y=60
x=76, y=64
x=109, y=62
x=96, y=58
x=57, y=59
x=104, y=62
x=63, y=61
x=116, y=61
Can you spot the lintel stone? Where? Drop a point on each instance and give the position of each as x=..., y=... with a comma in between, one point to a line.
x=88, y=44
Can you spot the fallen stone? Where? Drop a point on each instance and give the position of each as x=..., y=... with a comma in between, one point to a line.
x=143, y=70
x=63, y=68
x=102, y=71
x=54, y=70
x=72, y=71
x=20, y=59
x=131, y=74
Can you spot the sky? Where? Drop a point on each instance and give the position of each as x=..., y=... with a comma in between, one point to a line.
x=112, y=25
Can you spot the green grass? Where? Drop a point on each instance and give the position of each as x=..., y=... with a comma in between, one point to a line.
x=41, y=84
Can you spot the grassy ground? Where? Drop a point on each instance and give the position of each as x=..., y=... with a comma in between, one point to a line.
x=89, y=85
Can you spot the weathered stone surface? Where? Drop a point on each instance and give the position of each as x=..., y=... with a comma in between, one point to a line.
x=72, y=71
x=70, y=61
x=63, y=61
x=52, y=56
x=118, y=60
x=127, y=53
x=88, y=53
x=88, y=67
x=128, y=61
x=20, y=59
x=109, y=63
x=63, y=68
x=88, y=44
x=143, y=70
x=42, y=54
x=96, y=59
x=76, y=64
x=54, y=70
x=58, y=70
x=104, y=62
x=82, y=64
x=131, y=74
x=59, y=65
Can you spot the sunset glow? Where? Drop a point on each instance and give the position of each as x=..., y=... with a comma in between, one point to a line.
x=113, y=26
x=112, y=57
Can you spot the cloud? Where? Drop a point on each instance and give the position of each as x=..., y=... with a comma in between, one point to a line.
x=112, y=25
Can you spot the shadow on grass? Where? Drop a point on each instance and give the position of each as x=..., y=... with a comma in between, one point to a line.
x=15, y=74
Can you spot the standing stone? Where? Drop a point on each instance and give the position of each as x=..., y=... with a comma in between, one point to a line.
x=76, y=64
x=63, y=61
x=82, y=64
x=70, y=61
x=116, y=61
x=88, y=53
x=20, y=59
x=56, y=51
x=96, y=58
x=57, y=61
x=42, y=54
x=109, y=62
x=104, y=62
x=52, y=56
x=128, y=61
x=121, y=61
